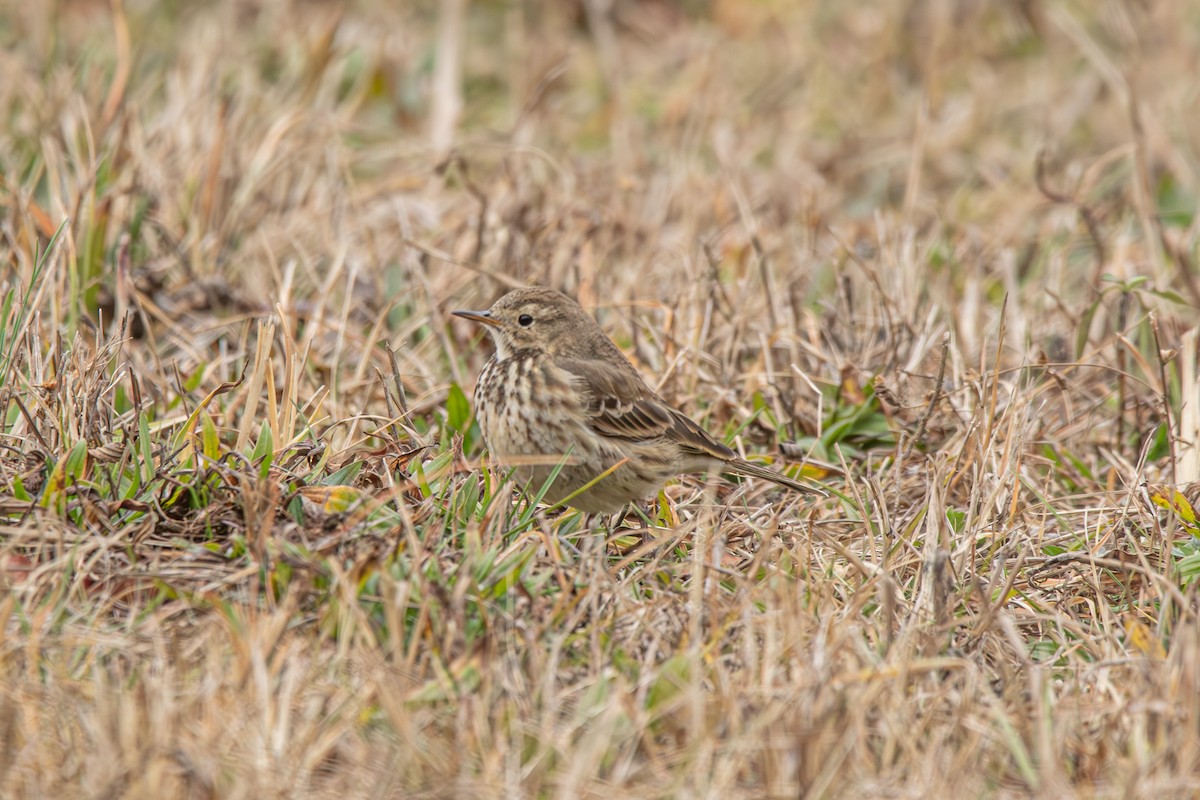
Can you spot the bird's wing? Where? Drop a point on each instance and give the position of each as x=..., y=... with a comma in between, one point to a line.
x=620, y=405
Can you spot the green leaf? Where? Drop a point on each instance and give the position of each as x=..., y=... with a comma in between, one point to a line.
x=210, y=440
x=147, y=455
x=66, y=473
x=1167, y=294
x=264, y=450
x=1160, y=446
x=345, y=475
x=1188, y=568
x=458, y=409
x=193, y=381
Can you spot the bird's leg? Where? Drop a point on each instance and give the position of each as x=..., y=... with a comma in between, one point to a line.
x=620, y=529
x=557, y=524
x=611, y=523
x=593, y=565
x=549, y=531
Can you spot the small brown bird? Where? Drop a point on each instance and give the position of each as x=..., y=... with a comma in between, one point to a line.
x=559, y=392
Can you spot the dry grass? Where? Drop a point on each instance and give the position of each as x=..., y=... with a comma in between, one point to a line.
x=947, y=250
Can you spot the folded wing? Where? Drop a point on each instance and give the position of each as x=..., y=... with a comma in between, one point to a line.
x=621, y=406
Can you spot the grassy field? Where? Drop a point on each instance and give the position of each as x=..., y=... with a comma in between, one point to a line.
x=940, y=256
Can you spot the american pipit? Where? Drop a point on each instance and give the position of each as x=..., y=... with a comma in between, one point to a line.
x=559, y=392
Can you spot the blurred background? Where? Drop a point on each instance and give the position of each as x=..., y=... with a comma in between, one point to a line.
x=602, y=145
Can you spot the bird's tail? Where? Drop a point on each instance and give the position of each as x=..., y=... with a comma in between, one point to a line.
x=743, y=467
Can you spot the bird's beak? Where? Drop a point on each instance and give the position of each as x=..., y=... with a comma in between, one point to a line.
x=482, y=317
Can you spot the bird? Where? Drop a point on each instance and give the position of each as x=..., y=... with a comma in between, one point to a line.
x=559, y=398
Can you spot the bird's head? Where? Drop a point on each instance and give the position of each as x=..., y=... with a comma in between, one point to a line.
x=542, y=321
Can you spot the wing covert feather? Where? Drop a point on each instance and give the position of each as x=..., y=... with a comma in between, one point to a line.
x=620, y=405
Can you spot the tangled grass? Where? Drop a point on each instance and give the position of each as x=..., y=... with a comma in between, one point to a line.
x=942, y=256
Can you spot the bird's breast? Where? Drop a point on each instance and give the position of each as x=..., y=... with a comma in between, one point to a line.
x=527, y=407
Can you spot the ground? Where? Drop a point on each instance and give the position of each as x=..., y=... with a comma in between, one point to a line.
x=939, y=257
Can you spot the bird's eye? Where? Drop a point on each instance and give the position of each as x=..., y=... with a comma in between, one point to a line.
x=524, y=320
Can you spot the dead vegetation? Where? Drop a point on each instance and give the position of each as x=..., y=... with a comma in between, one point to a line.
x=942, y=254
